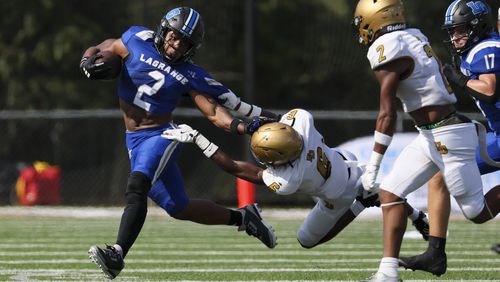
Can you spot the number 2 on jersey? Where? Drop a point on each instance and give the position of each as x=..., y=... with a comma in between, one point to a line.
x=149, y=90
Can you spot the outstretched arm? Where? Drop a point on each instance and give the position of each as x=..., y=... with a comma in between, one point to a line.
x=241, y=169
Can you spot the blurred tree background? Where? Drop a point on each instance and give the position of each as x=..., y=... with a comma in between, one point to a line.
x=305, y=55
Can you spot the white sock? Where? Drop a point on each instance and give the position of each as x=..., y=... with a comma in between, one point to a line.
x=414, y=214
x=119, y=249
x=389, y=266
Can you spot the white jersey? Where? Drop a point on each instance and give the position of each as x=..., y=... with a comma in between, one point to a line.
x=319, y=171
x=424, y=85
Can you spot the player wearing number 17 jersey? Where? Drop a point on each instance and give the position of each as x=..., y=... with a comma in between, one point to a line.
x=406, y=68
x=297, y=160
x=157, y=71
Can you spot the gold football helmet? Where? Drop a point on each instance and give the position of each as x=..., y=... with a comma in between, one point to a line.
x=375, y=16
x=276, y=144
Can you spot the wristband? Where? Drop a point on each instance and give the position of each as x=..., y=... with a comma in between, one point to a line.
x=382, y=138
x=357, y=207
x=206, y=146
x=234, y=125
x=375, y=159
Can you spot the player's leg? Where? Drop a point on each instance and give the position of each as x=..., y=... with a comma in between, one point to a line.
x=169, y=194
x=405, y=177
x=149, y=154
x=434, y=258
x=324, y=222
x=419, y=220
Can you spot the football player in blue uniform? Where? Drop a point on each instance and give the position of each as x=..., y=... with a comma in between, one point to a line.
x=472, y=37
x=157, y=70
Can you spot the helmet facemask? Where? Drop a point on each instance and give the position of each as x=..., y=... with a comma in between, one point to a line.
x=474, y=16
x=185, y=22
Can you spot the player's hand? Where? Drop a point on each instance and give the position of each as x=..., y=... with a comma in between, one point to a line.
x=257, y=122
x=369, y=177
x=184, y=134
x=368, y=198
x=454, y=76
x=93, y=70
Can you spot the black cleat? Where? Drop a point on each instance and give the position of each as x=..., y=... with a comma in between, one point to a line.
x=255, y=226
x=109, y=260
x=496, y=248
x=425, y=262
x=422, y=225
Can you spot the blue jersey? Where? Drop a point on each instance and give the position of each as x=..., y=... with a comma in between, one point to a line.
x=150, y=83
x=484, y=58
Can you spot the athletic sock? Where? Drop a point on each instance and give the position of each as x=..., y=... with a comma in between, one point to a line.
x=389, y=266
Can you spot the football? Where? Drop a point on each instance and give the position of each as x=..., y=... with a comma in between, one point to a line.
x=113, y=61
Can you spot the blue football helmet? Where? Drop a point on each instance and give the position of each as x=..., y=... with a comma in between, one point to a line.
x=475, y=15
x=188, y=23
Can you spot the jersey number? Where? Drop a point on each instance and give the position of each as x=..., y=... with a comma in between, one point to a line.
x=149, y=90
x=490, y=61
x=323, y=164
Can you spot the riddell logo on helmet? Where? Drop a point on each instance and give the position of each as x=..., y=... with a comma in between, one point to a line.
x=396, y=27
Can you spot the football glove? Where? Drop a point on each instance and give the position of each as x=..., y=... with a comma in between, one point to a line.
x=368, y=198
x=454, y=76
x=257, y=122
x=93, y=70
x=184, y=134
x=369, y=177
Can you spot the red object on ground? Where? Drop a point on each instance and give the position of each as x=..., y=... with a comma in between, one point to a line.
x=246, y=192
x=39, y=185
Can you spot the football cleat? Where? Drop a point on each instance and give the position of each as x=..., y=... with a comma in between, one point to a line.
x=435, y=264
x=109, y=260
x=422, y=225
x=496, y=248
x=255, y=226
x=381, y=277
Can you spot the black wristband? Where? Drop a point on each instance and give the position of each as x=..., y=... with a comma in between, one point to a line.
x=234, y=125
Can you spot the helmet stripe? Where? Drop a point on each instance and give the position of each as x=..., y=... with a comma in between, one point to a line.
x=449, y=13
x=191, y=22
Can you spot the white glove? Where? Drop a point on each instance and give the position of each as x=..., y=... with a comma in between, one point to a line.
x=369, y=177
x=184, y=134
x=371, y=171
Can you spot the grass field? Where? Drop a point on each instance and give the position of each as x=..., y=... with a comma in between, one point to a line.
x=47, y=244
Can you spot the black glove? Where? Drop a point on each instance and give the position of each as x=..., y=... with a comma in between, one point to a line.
x=93, y=70
x=257, y=122
x=368, y=199
x=454, y=76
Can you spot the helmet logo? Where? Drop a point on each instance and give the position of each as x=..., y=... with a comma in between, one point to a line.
x=478, y=7
x=173, y=13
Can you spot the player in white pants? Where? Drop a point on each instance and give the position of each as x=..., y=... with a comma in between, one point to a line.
x=297, y=160
x=407, y=68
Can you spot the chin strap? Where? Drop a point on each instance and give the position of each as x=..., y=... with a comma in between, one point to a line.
x=481, y=134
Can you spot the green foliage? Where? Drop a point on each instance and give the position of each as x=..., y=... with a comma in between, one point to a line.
x=304, y=50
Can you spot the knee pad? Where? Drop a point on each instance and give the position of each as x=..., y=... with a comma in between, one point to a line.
x=138, y=184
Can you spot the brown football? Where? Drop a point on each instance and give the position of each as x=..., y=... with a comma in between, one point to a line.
x=113, y=61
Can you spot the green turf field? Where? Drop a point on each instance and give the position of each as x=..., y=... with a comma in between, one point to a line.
x=54, y=246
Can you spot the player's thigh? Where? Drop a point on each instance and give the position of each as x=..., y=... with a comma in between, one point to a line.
x=153, y=155
x=168, y=191
x=412, y=169
x=319, y=222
